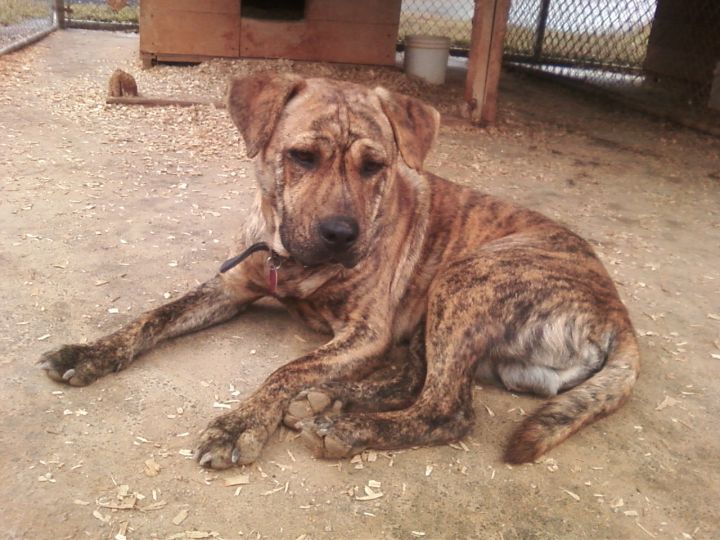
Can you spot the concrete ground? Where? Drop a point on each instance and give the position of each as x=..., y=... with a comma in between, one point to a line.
x=108, y=211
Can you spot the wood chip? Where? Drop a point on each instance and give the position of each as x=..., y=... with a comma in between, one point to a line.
x=219, y=405
x=370, y=495
x=573, y=495
x=667, y=402
x=96, y=514
x=180, y=517
x=651, y=535
x=153, y=506
x=238, y=480
x=122, y=531
x=127, y=503
x=152, y=467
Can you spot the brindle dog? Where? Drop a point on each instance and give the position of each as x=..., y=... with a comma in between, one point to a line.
x=366, y=245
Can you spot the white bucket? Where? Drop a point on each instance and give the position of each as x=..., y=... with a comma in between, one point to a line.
x=427, y=57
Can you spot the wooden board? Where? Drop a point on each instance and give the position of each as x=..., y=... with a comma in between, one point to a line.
x=329, y=41
x=350, y=31
x=360, y=11
x=208, y=28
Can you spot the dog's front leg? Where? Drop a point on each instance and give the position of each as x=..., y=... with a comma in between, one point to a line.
x=239, y=436
x=210, y=303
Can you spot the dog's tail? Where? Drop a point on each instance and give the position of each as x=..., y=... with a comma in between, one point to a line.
x=566, y=413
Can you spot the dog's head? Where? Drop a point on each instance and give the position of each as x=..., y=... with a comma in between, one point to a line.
x=326, y=156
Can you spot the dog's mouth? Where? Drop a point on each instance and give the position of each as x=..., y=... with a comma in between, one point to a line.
x=313, y=253
x=313, y=260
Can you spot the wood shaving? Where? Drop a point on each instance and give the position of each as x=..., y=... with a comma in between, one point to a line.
x=128, y=503
x=643, y=529
x=667, y=402
x=573, y=495
x=122, y=531
x=152, y=467
x=238, y=480
x=370, y=495
x=153, y=506
x=180, y=516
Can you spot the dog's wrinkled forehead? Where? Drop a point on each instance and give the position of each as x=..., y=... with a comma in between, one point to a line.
x=340, y=111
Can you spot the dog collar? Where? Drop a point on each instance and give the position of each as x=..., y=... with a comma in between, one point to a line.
x=274, y=262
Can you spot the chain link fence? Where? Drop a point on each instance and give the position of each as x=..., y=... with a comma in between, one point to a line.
x=662, y=56
x=22, y=20
x=449, y=18
x=103, y=14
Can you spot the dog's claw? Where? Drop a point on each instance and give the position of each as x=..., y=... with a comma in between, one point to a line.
x=320, y=435
x=69, y=374
x=311, y=440
x=235, y=456
x=44, y=364
x=205, y=459
x=336, y=448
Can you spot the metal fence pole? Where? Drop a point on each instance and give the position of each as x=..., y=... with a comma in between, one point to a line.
x=540, y=31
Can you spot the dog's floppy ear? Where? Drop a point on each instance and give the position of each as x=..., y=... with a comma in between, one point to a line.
x=414, y=124
x=255, y=103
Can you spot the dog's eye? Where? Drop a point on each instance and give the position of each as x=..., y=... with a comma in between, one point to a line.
x=304, y=158
x=371, y=167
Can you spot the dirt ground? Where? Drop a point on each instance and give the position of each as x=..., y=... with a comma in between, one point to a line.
x=108, y=211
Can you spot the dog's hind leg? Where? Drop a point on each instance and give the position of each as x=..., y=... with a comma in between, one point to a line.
x=211, y=303
x=442, y=412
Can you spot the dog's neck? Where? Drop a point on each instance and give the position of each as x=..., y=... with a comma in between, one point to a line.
x=274, y=262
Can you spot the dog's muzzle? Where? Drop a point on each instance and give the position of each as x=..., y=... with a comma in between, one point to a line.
x=338, y=233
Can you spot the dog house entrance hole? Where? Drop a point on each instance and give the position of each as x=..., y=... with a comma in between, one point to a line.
x=274, y=10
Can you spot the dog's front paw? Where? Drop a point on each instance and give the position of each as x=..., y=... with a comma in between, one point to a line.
x=79, y=365
x=232, y=439
x=331, y=438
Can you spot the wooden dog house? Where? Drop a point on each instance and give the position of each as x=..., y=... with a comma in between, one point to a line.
x=348, y=31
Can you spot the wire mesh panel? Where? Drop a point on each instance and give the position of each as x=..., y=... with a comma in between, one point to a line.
x=656, y=53
x=109, y=12
x=590, y=33
x=22, y=19
x=449, y=18
x=661, y=55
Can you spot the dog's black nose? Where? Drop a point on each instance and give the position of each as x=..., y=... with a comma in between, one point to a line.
x=339, y=232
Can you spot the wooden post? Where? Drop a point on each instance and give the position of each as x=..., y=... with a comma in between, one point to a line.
x=60, y=13
x=485, y=59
